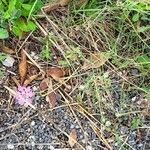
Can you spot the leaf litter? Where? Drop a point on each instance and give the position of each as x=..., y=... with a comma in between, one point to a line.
x=23, y=67
x=95, y=60
x=7, y=50
x=9, y=61
x=55, y=72
x=72, y=138
x=98, y=60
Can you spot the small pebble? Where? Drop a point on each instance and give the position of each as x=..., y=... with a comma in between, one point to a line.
x=36, y=57
x=134, y=71
x=83, y=141
x=34, y=88
x=32, y=137
x=72, y=126
x=81, y=136
x=32, y=54
x=124, y=130
x=77, y=127
x=133, y=99
x=51, y=147
x=108, y=123
x=43, y=127
x=89, y=147
x=33, y=143
x=10, y=146
x=81, y=87
x=37, y=97
x=65, y=117
x=33, y=123
x=40, y=146
x=8, y=62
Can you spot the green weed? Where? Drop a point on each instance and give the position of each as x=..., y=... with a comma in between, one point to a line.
x=46, y=51
x=2, y=58
x=15, y=15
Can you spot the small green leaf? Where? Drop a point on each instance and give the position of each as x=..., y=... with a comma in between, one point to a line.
x=143, y=28
x=11, y=7
x=27, y=6
x=4, y=1
x=26, y=9
x=146, y=88
x=135, y=123
x=31, y=26
x=3, y=33
x=38, y=5
x=20, y=23
x=2, y=57
x=16, y=31
x=136, y=17
x=15, y=14
x=1, y=72
x=6, y=15
x=46, y=53
x=143, y=59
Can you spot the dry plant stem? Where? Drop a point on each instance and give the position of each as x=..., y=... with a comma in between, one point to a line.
x=54, y=27
x=84, y=112
x=101, y=137
x=34, y=62
x=30, y=79
x=59, y=36
x=136, y=31
x=62, y=82
x=62, y=106
x=98, y=132
x=124, y=143
x=59, y=31
x=15, y=80
x=67, y=102
x=24, y=42
x=55, y=44
x=13, y=93
x=66, y=134
x=40, y=27
x=114, y=70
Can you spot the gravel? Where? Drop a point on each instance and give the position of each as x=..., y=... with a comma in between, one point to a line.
x=28, y=129
x=134, y=71
x=24, y=128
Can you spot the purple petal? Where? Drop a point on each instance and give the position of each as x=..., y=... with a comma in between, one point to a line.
x=24, y=94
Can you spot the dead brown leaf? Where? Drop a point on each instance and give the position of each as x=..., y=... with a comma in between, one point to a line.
x=51, y=98
x=44, y=84
x=55, y=72
x=95, y=60
x=33, y=70
x=50, y=7
x=30, y=79
x=7, y=50
x=15, y=80
x=72, y=138
x=63, y=2
x=23, y=67
x=54, y=5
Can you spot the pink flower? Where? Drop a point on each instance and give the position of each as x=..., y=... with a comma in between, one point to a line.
x=24, y=95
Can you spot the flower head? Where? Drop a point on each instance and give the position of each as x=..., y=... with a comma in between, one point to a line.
x=24, y=95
